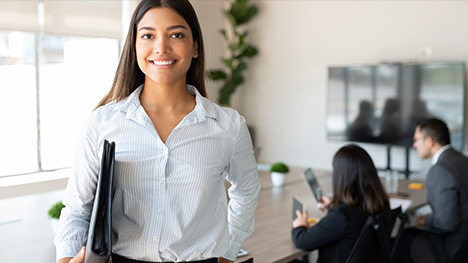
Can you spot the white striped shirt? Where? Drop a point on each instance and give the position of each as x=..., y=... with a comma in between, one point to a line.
x=170, y=201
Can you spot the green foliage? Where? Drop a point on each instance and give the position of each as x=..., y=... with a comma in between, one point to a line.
x=240, y=12
x=56, y=210
x=279, y=167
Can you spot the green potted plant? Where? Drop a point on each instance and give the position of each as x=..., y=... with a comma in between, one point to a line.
x=239, y=50
x=278, y=172
x=54, y=213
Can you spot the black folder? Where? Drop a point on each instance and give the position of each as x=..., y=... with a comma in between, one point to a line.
x=99, y=243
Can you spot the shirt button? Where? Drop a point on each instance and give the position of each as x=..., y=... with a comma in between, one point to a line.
x=155, y=238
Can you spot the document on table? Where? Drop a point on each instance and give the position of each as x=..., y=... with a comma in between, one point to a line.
x=396, y=202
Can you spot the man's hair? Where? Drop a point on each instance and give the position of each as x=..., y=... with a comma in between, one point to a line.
x=436, y=129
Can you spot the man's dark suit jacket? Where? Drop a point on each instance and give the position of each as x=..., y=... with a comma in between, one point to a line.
x=447, y=190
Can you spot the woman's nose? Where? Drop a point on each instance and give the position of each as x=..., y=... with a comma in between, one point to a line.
x=161, y=46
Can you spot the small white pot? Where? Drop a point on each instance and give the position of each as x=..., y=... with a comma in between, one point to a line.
x=277, y=179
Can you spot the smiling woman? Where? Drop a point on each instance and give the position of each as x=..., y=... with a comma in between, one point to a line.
x=174, y=151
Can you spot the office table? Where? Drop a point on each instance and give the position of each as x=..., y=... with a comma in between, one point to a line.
x=271, y=241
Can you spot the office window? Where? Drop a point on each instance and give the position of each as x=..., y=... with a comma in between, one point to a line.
x=75, y=74
x=52, y=75
x=18, y=135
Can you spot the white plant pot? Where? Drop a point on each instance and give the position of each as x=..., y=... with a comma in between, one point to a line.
x=277, y=179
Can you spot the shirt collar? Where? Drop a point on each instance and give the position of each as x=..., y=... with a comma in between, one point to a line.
x=439, y=152
x=204, y=107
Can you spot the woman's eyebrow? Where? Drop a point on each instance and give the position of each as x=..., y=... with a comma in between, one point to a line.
x=169, y=28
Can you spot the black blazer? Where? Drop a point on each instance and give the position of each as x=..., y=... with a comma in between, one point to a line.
x=447, y=192
x=334, y=235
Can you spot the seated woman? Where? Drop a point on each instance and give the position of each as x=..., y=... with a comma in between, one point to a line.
x=357, y=193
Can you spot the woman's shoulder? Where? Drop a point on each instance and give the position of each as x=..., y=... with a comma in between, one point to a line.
x=348, y=210
x=219, y=112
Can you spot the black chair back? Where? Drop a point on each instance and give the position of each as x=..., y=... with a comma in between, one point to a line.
x=462, y=254
x=374, y=242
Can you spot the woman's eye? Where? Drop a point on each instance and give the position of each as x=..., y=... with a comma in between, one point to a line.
x=147, y=36
x=177, y=35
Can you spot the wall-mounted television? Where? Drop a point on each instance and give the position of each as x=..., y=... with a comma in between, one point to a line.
x=382, y=103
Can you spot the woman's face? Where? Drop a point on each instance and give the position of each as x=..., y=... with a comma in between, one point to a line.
x=164, y=46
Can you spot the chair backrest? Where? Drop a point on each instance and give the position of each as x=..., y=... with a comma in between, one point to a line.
x=462, y=253
x=373, y=243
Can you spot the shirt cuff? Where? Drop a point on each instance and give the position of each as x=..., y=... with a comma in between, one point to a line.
x=65, y=250
x=233, y=251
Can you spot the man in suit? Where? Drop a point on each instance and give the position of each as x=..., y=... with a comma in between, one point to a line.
x=447, y=193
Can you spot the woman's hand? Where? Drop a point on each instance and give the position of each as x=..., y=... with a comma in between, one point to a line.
x=301, y=220
x=324, y=202
x=77, y=259
x=421, y=221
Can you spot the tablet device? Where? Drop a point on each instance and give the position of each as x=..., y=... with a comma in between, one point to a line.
x=312, y=184
x=297, y=205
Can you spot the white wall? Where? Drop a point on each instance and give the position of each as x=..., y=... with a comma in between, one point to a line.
x=285, y=93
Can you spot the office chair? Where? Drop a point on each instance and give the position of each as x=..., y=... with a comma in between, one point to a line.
x=462, y=253
x=373, y=243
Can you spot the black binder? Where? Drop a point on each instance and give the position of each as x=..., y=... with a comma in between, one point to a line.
x=99, y=244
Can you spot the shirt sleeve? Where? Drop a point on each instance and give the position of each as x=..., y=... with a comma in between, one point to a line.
x=443, y=197
x=328, y=229
x=244, y=191
x=79, y=196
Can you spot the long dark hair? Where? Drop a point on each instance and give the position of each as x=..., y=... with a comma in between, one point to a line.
x=355, y=181
x=129, y=76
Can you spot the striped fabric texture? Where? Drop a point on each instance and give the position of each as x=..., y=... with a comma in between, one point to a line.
x=170, y=202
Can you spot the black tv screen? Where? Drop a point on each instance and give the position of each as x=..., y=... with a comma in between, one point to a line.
x=383, y=103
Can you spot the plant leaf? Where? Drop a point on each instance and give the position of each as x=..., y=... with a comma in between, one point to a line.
x=240, y=67
x=228, y=62
x=236, y=47
x=223, y=33
x=230, y=18
x=242, y=11
x=250, y=51
x=225, y=93
x=217, y=74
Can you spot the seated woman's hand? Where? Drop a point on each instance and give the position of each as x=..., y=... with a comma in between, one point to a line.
x=324, y=202
x=301, y=220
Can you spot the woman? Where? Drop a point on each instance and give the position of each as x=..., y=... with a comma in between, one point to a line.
x=174, y=149
x=357, y=193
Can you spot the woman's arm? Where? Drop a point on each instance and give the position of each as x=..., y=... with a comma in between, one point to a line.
x=79, y=195
x=328, y=229
x=244, y=191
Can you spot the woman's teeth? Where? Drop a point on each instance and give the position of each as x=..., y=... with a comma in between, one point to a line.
x=163, y=62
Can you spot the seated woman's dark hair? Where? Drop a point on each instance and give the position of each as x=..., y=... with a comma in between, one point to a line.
x=356, y=182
